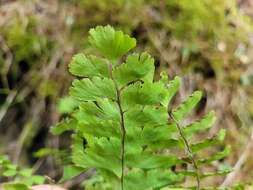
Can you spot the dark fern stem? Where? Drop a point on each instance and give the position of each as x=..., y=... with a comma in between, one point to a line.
x=122, y=127
x=188, y=149
x=123, y=130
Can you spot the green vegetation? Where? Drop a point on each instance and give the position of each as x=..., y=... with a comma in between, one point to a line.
x=206, y=42
x=22, y=178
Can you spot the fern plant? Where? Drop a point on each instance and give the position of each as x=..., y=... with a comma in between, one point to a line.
x=125, y=126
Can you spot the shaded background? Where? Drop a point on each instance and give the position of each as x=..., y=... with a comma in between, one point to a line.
x=207, y=42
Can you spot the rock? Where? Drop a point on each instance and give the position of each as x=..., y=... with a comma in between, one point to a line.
x=47, y=187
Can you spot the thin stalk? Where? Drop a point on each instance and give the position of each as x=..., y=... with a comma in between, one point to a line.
x=122, y=127
x=188, y=149
x=123, y=136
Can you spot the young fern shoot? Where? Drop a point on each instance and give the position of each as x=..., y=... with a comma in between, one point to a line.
x=127, y=123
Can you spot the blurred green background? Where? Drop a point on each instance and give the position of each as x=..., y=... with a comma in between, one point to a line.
x=207, y=42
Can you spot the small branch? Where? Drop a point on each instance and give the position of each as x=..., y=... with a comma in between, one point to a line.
x=7, y=62
x=37, y=165
x=79, y=179
x=230, y=179
x=47, y=71
x=9, y=100
x=189, y=151
x=28, y=131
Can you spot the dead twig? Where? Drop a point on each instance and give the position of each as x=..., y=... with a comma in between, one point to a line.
x=230, y=179
x=9, y=100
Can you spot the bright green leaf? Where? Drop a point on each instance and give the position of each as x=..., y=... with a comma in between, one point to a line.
x=110, y=43
x=187, y=106
x=83, y=66
x=93, y=89
x=201, y=125
x=15, y=186
x=137, y=67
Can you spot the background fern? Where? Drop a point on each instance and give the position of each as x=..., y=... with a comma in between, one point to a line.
x=22, y=178
x=125, y=126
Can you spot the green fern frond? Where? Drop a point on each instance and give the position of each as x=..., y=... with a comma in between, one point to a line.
x=124, y=127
